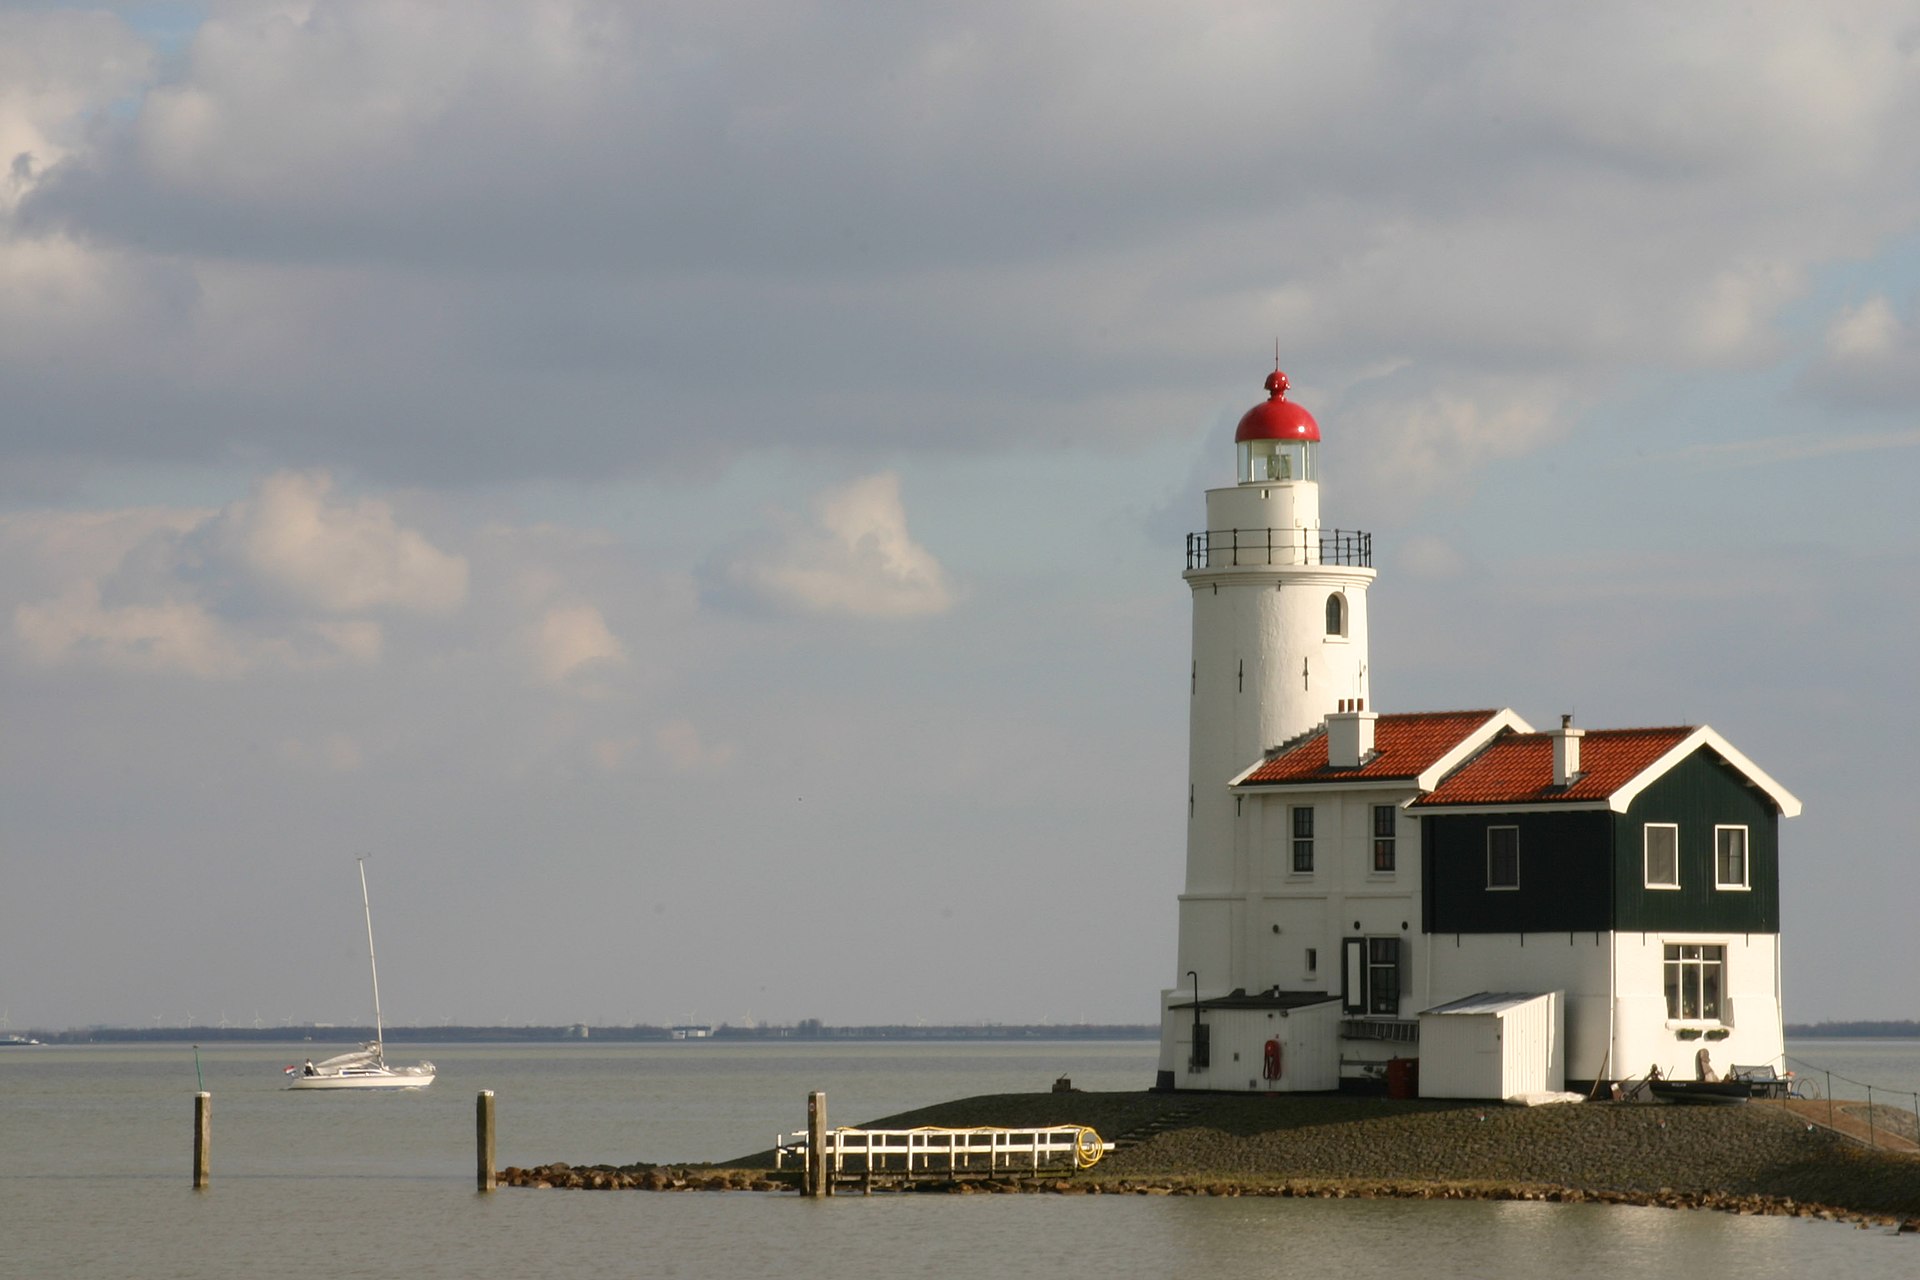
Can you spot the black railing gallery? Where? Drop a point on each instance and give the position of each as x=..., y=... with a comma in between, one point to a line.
x=1217, y=548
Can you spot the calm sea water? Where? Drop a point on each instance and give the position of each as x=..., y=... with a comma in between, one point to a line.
x=95, y=1154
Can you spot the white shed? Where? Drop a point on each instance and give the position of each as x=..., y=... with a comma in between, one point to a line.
x=1270, y=1042
x=1493, y=1045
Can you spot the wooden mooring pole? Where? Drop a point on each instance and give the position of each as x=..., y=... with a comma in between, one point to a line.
x=483, y=1139
x=819, y=1178
x=202, y=1139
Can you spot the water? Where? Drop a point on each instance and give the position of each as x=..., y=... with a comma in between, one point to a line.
x=1892, y=1066
x=95, y=1153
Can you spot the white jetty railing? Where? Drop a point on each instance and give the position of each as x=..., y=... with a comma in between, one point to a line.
x=870, y=1153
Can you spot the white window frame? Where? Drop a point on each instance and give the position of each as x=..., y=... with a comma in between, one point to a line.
x=1646, y=854
x=1714, y=956
x=1298, y=844
x=1337, y=613
x=1383, y=976
x=1388, y=843
x=1745, y=882
x=1504, y=888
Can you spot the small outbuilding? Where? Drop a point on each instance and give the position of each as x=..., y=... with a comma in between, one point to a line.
x=1269, y=1042
x=1493, y=1045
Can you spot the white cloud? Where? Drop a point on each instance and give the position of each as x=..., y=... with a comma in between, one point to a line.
x=1422, y=442
x=688, y=752
x=440, y=223
x=854, y=556
x=270, y=581
x=336, y=557
x=574, y=642
x=1870, y=358
x=1868, y=332
x=173, y=635
x=57, y=69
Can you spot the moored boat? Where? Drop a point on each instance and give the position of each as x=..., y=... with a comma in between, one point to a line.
x=1701, y=1091
x=366, y=1067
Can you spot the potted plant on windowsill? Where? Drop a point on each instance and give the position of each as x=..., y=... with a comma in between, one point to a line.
x=1687, y=1033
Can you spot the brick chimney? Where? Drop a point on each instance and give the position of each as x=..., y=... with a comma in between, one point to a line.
x=1566, y=752
x=1350, y=734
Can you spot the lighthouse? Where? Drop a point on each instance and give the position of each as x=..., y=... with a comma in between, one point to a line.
x=1367, y=893
x=1279, y=644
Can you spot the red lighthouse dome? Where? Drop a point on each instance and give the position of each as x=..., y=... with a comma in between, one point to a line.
x=1277, y=418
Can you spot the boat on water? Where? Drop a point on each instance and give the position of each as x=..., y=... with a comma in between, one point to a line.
x=13, y=1041
x=366, y=1067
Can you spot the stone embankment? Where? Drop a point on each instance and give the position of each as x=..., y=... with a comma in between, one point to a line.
x=1755, y=1158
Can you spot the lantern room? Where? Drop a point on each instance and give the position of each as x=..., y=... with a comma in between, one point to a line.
x=1278, y=441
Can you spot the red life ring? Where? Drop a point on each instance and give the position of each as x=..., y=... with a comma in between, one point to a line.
x=1270, y=1065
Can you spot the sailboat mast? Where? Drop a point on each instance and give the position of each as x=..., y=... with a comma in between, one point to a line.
x=373, y=967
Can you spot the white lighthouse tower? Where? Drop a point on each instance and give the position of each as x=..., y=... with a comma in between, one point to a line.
x=1279, y=643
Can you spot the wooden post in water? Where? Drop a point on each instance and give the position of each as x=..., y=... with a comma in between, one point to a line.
x=819, y=1178
x=483, y=1138
x=202, y=1139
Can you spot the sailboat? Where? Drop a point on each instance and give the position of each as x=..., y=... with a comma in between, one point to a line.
x=366, y=1067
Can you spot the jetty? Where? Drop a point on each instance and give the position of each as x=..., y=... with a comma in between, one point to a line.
x=870, y=1158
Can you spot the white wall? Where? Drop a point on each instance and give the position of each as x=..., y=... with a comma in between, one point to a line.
x=1616, y=1022
x=1577, y=965
x=1645, y=1035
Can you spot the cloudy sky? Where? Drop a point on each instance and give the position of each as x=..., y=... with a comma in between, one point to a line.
x=695, y=492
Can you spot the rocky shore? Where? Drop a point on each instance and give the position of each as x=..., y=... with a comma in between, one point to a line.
x=1753, y=1158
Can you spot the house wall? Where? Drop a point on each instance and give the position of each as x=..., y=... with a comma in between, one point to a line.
x=1342, y=896
x=1566, y=873
x=1576, y=965
x=1696, y=795
x=1615, y=1014
x=1645, y=1036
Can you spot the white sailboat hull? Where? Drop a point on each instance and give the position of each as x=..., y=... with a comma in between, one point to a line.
x=379, y=1078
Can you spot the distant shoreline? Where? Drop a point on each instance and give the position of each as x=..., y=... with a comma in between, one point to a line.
x=578, y=1033
x=806, y=1031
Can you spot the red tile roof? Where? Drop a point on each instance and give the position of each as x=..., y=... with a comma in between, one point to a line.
x=1405, y=746
x=1517, y=768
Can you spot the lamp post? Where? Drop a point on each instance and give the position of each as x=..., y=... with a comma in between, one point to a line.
x=1195, y=1062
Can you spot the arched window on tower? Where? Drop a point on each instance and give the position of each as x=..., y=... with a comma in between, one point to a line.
x=1337, y=614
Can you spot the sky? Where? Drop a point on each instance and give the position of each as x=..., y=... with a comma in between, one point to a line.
x=695, y=494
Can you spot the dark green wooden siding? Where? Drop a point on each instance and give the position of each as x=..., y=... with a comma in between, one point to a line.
x=1566, y=873
x=1586, y=869
x=1699, y=793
